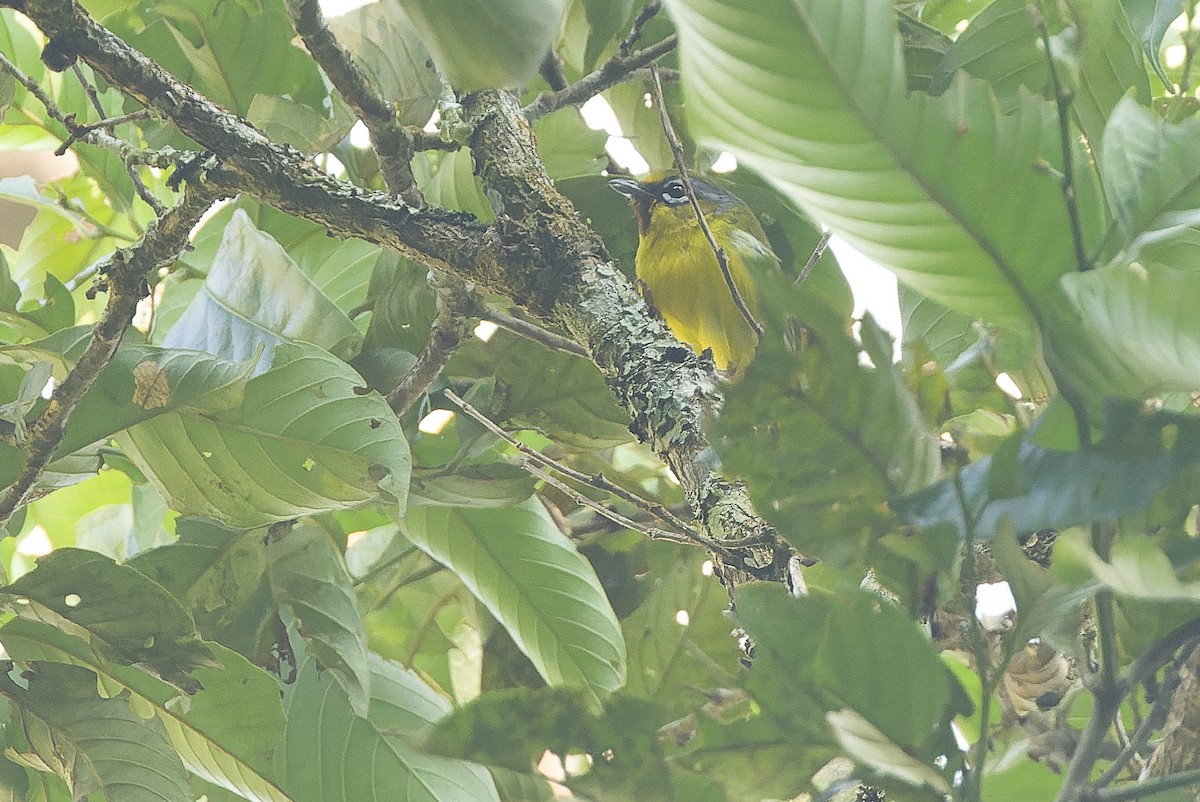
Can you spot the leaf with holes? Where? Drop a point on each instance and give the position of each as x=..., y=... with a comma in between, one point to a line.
x=89, y=594
x=306, y=439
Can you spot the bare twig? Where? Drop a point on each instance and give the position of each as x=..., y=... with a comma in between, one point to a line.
x=394, y=143
x=648, y=12
x=80, y=131
x=1153, y=721
x=686, y=531
x=532, y=331
x=126, y=273
x=456, y=316
x=814, y=257
x=718, y=251
x=612, y=72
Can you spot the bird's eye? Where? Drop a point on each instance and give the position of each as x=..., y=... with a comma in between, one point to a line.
x=674, y=191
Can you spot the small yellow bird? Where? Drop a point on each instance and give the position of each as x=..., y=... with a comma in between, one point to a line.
x=679, y=271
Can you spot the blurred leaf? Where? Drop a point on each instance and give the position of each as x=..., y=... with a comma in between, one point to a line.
x=331, y=755
x=255, y=296
x=97, y=745
x=402, y=305
x=536, y=584
x=1040, y=487
x=88, y=593
x=495, y=484
x=607, y=20
x=480, y=45
x=924, y=50
x=386, y=46
x=872, y=748
x=307, y=577
x=448, y=179
x=568, y=146
x=1150, y=19
x=822, y=440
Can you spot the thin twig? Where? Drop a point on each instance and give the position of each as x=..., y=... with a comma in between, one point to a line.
x=1063, y=101
x=649, y=12
x=1106, y=628
x=718, y=251
x=1153, y=722
x=126, y=273
x=532, y=331
x=1145, y=788
x=815, y=257
x=583, y=501
x=455, y=320
x=686, y=530
x=612, y=72
x=78, y=132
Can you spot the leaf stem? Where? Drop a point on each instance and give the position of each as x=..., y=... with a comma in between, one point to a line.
x=718, y=251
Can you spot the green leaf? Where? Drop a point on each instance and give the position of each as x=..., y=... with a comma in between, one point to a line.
x=256, y=297
x=1151, y=173
x=568, y=146
x=843, y=437
x=304, y=440
x=331, y=755
x=449, y=180
x=537, y=585
x=1039, y=487
x=1137, y=567
x=1151, y=19
x=386, y=46
x=945, y=191
x=89, y=594
x=607, y=19
x=232, y=53
x=97, y=745
x=870, y=747
x=307, y=577
x=225, y=731
x=402, y=305
x=837, y=653
x=479, y=44
x=494, y=484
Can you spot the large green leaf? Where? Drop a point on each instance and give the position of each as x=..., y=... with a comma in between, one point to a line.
x=256, y=297
x=304, y=440
x=843, y=437
x=87, y=593
x=97, y=745
x=1151, y=172
x=946, y=191
x=332, y=755
x=307, y=577
x=536, y=584
x=235, y=54
x=225, y=732
x=1039, y=487
x=1151, y=19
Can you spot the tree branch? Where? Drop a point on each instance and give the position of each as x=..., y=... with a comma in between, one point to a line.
x=456, y=317
x=125, y=275
x=607, y=75
x=538, y=253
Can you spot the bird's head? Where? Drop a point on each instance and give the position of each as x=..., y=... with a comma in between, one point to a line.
x=661, y=197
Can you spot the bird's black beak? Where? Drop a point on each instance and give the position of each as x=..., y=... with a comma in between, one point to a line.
x=631, y=189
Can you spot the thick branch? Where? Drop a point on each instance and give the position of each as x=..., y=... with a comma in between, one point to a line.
x=538, y=253
x=125, y=276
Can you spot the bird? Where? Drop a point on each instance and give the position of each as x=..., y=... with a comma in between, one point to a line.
x=678, y=271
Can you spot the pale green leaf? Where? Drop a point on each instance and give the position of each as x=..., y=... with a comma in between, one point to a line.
x=303, y=441
x=479, y=44
x=225, y=732
x=97, y=745
x=256, y=297
x=529, y=575
x=332, y=755
x=386, y=46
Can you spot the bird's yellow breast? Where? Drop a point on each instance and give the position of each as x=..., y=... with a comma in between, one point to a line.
x=685, y=284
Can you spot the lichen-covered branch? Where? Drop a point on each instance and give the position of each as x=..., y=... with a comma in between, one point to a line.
x=538, y=253
x=124, y=276
x=457, y=315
